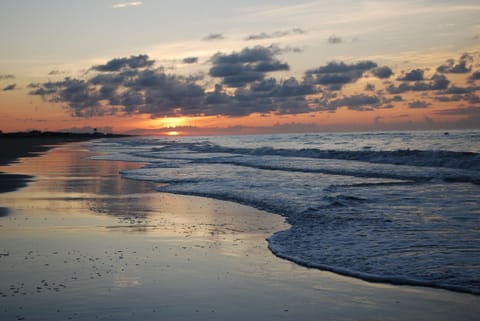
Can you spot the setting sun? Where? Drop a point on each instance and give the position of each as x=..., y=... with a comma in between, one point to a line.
x=173, y=133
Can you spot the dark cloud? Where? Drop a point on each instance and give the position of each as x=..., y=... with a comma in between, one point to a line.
x=459, y=90
x=275, y=34
x=341, y=67
x=128, y=90
x=190, y=60
x=460, y=68
x=249, y=65
x=333, y=39
x=247, y=55
x=9, y=87
x=6, y=76
x=266, y=96
x=396, y=98
x=214, y=36
x=356, y=102
x=475, y=75
x=449, y=98
x=56, y=72
x=243, y=78
x=413, y=75
x=382, y=72
x=337, y=74
x=418, y=104
x=437, y=82
x=133, y=62
x=80, y=96
x=243, y=85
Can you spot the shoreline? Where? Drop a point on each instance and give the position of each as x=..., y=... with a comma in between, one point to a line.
x=115, y=249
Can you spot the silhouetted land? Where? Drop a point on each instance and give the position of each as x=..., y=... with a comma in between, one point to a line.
x=28, y=144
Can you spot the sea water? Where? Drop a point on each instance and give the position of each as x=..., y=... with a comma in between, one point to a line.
x=397, y=207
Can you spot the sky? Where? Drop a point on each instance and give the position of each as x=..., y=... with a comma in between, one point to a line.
x=217, y=67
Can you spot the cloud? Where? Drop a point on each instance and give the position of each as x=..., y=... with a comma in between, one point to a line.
x=413, y=75
x=437, y=82
x=275, y=34
x=127, y=4
x=475, y=75
x=263, y=97
x=240, y=83
x=6, y=76
x=382, y=72
x=119, y=87
x=56, y=72
x=190, y=60
x=460, y=68
x=358, y=102
x=339, y=73
x=333, y=39
x=9, y=87
x=418, y=104
x=459, y=90
x=214, y=36
x=249, y=65
x=140, y=61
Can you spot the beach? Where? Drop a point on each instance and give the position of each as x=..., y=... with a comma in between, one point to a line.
x=79, y=242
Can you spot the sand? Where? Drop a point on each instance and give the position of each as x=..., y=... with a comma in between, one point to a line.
x=81, y=243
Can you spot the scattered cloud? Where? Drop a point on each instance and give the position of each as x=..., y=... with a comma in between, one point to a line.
x=475, y=75
x=437, y=82
x=9, y=87
x=213, y=37
x=412, y=75
x=190, y=60
x=140, y=61
x=358, y=102
x=333, y=39
x=56, y=72
x=127, y=4
x=275, y=34
x=241, y=83
x=382, y=72
x=457, y=68
x=337, y=74
x=249, y=65
x=418, y=104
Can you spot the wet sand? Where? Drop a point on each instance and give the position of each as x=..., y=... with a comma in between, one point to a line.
x=81, y=243
x=13, y=148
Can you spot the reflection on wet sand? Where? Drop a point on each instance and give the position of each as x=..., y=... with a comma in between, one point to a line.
x=81, y=243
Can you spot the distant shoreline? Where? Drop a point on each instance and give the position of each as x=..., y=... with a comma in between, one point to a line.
x=28, y=144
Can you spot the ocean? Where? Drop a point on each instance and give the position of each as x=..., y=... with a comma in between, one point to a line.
x=394, y=207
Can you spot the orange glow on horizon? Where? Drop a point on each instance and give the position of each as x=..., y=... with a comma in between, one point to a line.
x=170, y=122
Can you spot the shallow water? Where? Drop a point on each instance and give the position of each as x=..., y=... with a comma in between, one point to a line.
x=392, y=207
